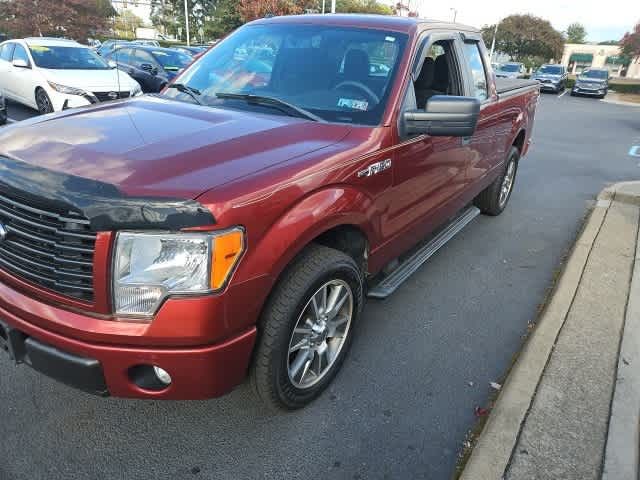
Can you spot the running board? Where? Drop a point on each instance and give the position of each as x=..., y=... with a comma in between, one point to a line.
x=391, y=282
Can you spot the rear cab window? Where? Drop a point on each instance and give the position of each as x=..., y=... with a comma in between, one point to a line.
x=477, y=71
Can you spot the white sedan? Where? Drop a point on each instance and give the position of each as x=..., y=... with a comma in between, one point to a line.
x=53, y=74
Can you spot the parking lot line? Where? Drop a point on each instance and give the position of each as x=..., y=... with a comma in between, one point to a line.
x=562, y=94
x=635, y=151
x=11, y=120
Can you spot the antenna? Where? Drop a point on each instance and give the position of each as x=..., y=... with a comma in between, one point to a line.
x=115, y=56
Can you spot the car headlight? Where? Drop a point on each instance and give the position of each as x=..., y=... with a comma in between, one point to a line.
x=148, y=267
x=66, y=90
x=136, y=90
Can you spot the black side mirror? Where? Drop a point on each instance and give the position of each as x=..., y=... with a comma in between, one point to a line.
x=147, y=67
x=444, y=116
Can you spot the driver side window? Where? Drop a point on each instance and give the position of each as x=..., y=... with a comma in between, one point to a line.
x=437, y=74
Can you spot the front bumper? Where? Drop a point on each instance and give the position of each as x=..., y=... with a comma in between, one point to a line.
x=548, y=85
x=197, y=372
x=589, y=91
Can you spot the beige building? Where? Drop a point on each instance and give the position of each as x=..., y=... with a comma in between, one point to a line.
x=579, y=56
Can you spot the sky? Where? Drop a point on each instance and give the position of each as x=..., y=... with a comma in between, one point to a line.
x=603, y=20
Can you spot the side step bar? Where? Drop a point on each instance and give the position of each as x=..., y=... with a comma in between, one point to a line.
x=391, y=282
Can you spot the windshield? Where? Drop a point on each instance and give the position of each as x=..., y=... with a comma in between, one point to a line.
x=599, y=74
x=67, y=58
x=338, y=74
x=172, y=60
x=510, y=67
x=550, y=70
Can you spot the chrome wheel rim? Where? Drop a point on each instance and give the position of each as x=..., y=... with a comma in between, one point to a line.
x=320, y=334
x=44, y=104
x=507, y=183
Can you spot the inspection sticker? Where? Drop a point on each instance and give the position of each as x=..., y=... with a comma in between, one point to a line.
x=361, y=105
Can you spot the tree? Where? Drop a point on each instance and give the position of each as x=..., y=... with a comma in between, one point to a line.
x=630, y=43
x=576, y=33
x=76, y=19
x=526, y=38
x=363, y=6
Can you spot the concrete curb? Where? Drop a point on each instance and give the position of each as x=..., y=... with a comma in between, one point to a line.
x=620, y=102
x=621, y=454
x=492, y=453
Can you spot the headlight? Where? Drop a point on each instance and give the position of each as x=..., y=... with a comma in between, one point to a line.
x=136, y=90
x=148, y=267
x=66, y=90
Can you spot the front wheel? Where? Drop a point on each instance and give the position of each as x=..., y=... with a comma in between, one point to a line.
x=307, y=328
x=493, y=200
x=43, y=102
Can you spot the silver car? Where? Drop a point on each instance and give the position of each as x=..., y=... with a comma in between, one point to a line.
x=551, y=77
x=511, y=70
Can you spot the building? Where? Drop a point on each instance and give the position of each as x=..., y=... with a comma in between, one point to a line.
x=579, y=56
x=140, y=8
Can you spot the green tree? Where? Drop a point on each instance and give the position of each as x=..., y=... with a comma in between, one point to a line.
x=576, y=33
x=125, y=24
x=526, y=38
x=363, y=6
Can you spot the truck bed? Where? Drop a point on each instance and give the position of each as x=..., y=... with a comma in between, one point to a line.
x=508, y=86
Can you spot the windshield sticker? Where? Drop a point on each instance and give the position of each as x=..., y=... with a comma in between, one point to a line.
x=389, y=39
x=361, y=105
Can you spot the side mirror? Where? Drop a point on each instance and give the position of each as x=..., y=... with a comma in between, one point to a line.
x=147, y=67
x=21, y=63
x=444, y=116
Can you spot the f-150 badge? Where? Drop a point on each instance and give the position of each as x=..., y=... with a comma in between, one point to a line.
x=375, y=168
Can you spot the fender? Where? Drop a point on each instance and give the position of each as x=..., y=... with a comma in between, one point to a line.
x=314, y=215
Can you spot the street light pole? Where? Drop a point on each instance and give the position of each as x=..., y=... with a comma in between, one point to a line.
x=493, y=42
x=323, y=3
x=333, y=6
x=455, y=14
x=186, y=20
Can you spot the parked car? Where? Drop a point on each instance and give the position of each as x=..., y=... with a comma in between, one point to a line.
x=94, y=43
x=3, y=109
x=190, y=50
x=166, y=246
x=551, y=77
x=109, y=46
x=511, y=70
x=593, y=81
x=153, y=68
x=52, y=74
x=148, y=43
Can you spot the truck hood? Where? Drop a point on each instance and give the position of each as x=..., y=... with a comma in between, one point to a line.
x=150, y=146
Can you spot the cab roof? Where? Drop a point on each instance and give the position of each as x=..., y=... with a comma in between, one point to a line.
x=380, y=22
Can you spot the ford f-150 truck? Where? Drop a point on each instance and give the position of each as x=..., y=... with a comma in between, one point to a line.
x=170, y=245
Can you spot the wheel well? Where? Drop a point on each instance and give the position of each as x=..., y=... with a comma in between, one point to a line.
x=348, y=239
x=519, y=141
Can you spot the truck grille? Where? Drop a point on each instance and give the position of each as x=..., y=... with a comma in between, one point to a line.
x=52, y=249
x=106, y=96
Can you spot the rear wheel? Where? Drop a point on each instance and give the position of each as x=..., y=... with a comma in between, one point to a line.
x=307, y=328
x=493, y=200
x=43, y=102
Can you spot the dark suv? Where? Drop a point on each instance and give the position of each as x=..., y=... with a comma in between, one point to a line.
x=593, y=81
x=551, y=77
x=152, y=67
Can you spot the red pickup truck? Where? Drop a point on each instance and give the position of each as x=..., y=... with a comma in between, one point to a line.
x=167, y=246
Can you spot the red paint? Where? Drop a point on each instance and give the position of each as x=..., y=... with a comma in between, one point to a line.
x=286, y=180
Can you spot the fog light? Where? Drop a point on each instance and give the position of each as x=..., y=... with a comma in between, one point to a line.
x=162, y=375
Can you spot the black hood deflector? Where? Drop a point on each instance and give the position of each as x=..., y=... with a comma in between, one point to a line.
x=103, y=204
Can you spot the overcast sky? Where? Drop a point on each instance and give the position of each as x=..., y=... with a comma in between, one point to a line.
x=604, y=20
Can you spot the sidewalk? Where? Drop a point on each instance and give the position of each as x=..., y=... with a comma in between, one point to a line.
x=570, y=408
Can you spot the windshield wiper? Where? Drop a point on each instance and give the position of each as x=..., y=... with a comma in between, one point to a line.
x=281, y=105
x=192, y=92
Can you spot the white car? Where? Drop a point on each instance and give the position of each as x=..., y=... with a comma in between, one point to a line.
x=51, y=74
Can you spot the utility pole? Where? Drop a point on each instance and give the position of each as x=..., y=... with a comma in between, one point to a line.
x=493, y=42
x=186, y=20
x=333, y=6
x=323, y=3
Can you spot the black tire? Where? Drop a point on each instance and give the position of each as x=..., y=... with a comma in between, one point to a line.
x=573, y=94
x=490, y=201
x=309, y=272
x=43, y=102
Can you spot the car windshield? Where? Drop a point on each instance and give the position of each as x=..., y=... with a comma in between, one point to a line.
x=172, y=60
x=598, y=74
x=338, y=74
x=510, y=67
x=550, y=70
x=67, y=58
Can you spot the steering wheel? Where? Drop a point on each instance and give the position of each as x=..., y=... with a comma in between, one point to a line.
x=350, y=83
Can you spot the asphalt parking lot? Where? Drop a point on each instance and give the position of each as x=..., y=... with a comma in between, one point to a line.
x=421, y=363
